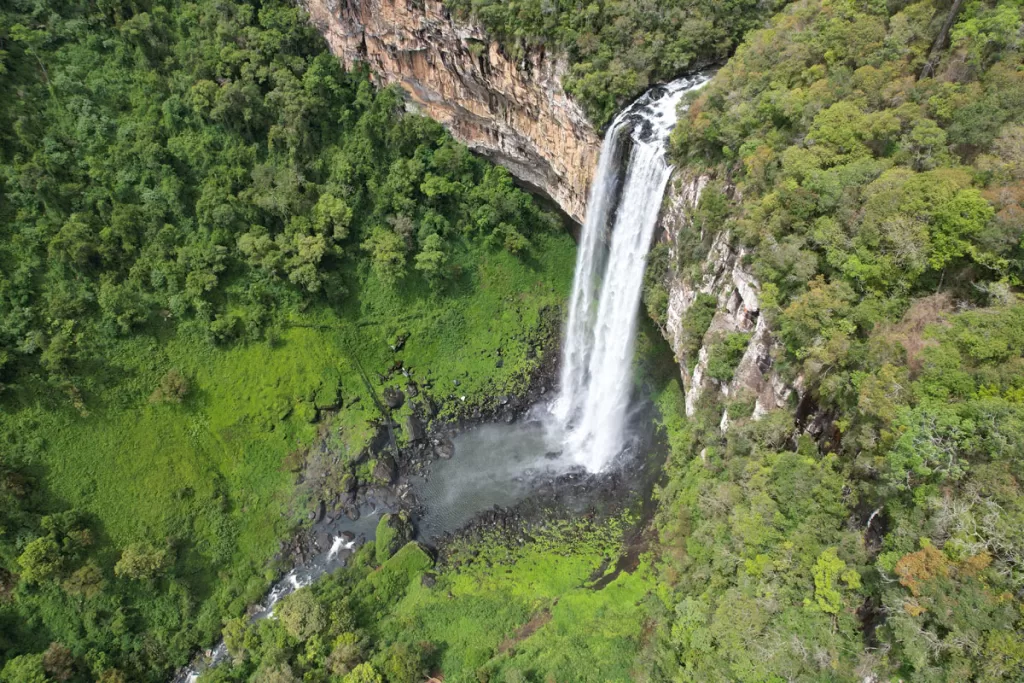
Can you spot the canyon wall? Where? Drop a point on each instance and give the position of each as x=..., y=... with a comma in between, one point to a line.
x=513, y=112
x=724, y=275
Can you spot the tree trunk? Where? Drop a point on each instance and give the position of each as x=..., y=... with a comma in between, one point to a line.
x=940, y=41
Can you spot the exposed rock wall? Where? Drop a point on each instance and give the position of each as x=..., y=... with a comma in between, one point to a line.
x=723, y=274
x=514, y=113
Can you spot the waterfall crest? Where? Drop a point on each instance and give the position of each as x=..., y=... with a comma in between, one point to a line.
x=625, y=200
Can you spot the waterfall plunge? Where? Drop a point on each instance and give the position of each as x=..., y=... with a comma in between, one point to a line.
x=597, y=357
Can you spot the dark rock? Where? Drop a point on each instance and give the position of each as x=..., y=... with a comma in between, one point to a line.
x=352, y=513
x=411, y=389
x=394, y=398
x=428, y=580
x=445, y=449
x=321, y=510
x=384, y=470
x=348, y=536
x=413, y=429
x=456, y=382
x=348, y=483
x=500, y=363
x=430, y=407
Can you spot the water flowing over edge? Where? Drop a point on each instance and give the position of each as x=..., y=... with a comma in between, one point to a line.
x=588, y=418
x=597, y=354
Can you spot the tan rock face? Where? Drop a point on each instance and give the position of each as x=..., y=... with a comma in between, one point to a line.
x=514, y=113
x=724, y=274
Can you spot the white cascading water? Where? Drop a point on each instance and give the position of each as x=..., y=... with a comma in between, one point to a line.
x=596, y=376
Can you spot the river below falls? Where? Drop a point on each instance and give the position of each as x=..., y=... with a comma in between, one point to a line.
x=493, y=465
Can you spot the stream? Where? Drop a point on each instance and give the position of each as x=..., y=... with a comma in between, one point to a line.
x=494, y=465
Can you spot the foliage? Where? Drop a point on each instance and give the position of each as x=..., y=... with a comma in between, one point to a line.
x=148, y=173
x=494, y=610
x=184, y=306
x=725, y=355
x=877, y=203
x=618, y=48
x=141, y=561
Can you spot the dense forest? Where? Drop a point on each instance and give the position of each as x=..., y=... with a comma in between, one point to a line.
x=617, y=49
x=872, y=171
x=209, y=229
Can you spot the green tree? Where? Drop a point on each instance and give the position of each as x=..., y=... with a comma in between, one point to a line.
x=141, y=561
x=387, y=255
x=301, y=614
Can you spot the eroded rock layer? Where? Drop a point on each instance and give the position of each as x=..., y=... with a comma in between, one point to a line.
x=512, y=112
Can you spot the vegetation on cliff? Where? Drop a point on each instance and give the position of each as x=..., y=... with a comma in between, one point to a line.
x=876, y=184
x=208, y=231
x=617, y=49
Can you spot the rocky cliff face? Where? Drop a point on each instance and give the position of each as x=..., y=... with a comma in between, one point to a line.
x=724, y=275
x=514, y=113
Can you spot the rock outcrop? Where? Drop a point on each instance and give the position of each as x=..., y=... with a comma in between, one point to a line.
x=513, y=112
x=724, y=275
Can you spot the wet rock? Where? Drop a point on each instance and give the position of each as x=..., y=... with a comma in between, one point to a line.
x=445, y=448
x=413, y=429
x=394, y=398
x=319, y=512
x=384, y=470
x=348, y=536
x=352, y=513
x=411, y=389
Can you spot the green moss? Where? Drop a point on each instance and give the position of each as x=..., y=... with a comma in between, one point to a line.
x=529, y=608
x=393, y=531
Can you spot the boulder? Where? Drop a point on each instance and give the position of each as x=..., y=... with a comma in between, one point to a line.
x=394, y=398
x=413, y=429
x=445, y=448
x=393, y=532
x=384, y=470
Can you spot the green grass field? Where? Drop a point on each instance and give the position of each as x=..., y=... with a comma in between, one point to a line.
x=209, y=474
x=531, y=613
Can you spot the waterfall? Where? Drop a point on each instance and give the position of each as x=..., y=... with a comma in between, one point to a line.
x=622, y=212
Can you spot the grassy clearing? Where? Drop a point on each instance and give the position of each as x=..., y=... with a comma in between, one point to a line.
x=505, y=613
x=210, y=474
